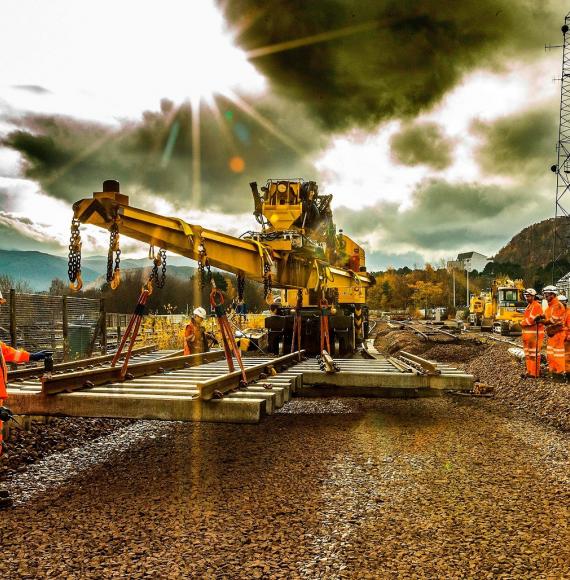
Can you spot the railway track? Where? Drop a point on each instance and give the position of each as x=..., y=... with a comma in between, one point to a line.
x=141, y=354
x=413, y=325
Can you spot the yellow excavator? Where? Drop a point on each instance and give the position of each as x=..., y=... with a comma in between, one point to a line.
x=297, y=250
x=501, y=309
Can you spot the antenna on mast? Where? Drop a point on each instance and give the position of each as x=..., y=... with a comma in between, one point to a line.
x=561, y=228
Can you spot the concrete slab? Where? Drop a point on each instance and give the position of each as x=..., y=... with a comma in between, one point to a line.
x=140, y=406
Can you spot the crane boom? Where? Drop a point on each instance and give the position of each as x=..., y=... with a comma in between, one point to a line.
x=291, y=267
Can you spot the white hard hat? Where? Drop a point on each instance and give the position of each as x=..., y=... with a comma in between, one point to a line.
x=551, y=289
x=200, y=312
x=563, y=298
x=530, y=291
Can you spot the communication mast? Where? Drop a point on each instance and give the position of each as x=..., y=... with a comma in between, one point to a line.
x=561, y=233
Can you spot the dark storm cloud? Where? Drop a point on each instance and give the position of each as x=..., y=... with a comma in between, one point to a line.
x=36, y=89
x=519, y=144
x=448, y=217
x=70, y=158
x=407, y=57
x=422, y=144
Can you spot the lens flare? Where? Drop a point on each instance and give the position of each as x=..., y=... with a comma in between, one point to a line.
x=237, y=164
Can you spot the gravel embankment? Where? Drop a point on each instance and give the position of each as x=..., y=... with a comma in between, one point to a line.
x=491, y=364
x=425, y=488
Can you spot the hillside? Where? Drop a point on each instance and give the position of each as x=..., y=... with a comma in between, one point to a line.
x=38, y=269
x=532, y=247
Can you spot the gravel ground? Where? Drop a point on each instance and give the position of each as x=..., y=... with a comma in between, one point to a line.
x=325, y=489
x=39, y=440
x=328, y=488
x=491, y=364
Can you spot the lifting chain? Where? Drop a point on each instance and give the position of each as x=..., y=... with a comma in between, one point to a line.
x=267, y=282
x=114, y=274
x=159, y=260
x=240, y=288
x=204, y=268
x=74, y=262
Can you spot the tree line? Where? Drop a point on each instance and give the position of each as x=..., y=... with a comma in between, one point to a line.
x=431, y=287
x=178, y=296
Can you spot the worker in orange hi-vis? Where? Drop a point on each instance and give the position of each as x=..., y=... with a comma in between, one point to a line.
x=555, y=315
x=564, y=301
x=9, y=354
x=532, y=333
x=194, y=341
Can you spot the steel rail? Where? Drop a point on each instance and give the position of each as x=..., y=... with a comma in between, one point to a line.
x=427, y=365
x=78, y=364
x=436, y=329
x=229, y=382
x=408, y=325
x=75, y=381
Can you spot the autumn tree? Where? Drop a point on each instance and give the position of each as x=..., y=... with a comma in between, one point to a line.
x=426, y=293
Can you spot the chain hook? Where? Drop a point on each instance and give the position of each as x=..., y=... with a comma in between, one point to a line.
x=74, y=260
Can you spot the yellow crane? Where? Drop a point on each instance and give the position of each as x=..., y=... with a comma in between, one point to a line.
x=297, y=250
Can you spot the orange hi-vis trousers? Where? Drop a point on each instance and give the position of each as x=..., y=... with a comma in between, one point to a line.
x=556, y=353
x=532, y=345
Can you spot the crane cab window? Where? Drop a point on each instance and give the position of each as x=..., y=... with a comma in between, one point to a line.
x=283, y=193
x=508, y=295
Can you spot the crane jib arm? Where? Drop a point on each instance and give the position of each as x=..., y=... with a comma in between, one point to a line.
x=245, y=256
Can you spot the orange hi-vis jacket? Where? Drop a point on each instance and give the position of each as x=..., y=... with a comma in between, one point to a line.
x=9, y=354
x=532, y=337
x=555, y=351
x=533, y=310
x=555, y=312
x=567, y=323
x=193, y=339
x=567, y=339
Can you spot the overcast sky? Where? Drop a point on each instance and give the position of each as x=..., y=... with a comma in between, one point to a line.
x=433, y=123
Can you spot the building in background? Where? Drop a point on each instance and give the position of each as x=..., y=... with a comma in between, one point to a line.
x=563, y=284
x=469, y=261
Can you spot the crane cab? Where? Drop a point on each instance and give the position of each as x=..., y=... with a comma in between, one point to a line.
x=282, y=205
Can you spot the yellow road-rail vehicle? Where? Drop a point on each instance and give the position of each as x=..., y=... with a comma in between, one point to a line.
x=501, y=309
x=297, y=250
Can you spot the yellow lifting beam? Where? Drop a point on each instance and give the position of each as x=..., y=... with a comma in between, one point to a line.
x=289, y=269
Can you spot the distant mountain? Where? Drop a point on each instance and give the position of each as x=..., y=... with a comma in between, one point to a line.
x=531, y=247
x=39, y=269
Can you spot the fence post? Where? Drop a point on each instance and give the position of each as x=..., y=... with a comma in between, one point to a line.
x=65, y=329
x=103, y=318
x=13, y=325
